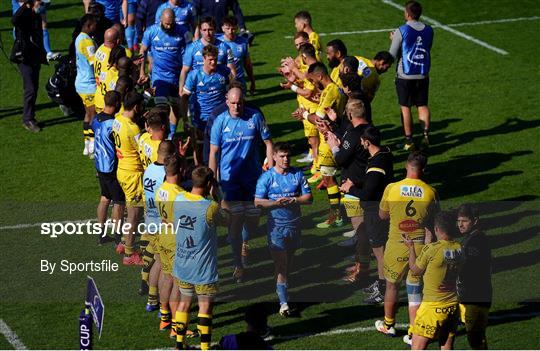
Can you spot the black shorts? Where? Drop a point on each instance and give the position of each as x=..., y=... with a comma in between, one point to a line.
x=412, y=92
x=376, y=229
x=110, y=188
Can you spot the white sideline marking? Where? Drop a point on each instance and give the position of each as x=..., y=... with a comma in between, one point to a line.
x=11, y=337
x=452, y=30
x=463, y=24
x=331, y=332
x=30, y=225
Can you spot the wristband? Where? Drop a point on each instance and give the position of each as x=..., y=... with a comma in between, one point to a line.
x=305, y=115
x=294, y=88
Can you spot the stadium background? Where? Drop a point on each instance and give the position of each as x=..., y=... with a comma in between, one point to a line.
x=486, y=110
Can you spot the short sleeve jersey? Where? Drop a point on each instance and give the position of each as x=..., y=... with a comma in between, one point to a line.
x=440, y=261
x=165, y=196
x=370, y=77
x=148, y=149
x=309, y=105
x=167, y=52
x=193, y=58
x=272, y=186
x=409, y=202
x=238, y=139
x=208, y=90
x=126, y=137
x=104, y=151
x=85, y=48
x=112, y=9
x=101, y=67
x=331, y=97
x=316, y=42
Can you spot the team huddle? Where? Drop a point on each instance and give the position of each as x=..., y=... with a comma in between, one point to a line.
x=137, y=83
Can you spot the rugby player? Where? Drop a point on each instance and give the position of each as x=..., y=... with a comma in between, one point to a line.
x=474, y=278
x=166, y=242
x=130, y=170
x=411, y=45
x=371, y=70
x=302, y=23
x=112, y=9
x=184, y=15
x=336, y=51
x=438, y=263
x=281, y=190
x=167, y=44
x=156, y=127
x=195, y=264
x=129, y=10
x=240, y=50
x=409, y=205
x=379, y=173
x=208, y=86
x=153, y=178
x=331, y=98
x=234, y=139
x=107, y=163
x=101, y=65
x=85, y=82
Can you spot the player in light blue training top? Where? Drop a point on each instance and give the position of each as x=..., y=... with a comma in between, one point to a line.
x=183, y=11
x=167, y=42
x=240, y=51
x=281, y=190
x=207, y=86
x=236, y=136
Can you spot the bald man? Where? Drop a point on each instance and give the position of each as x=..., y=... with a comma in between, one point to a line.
x=111, y=39
x=235, y=136
x=167, y=42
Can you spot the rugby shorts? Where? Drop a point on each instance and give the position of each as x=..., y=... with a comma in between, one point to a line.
x=131, y=183
x=188, y=289
x=283, y=238
x=396, y=261
x=87, y=99
x=475, y=317
x=436, y=319
x=376, y=229
x=412, y=92
x=165, y=244
x=110, y=188
x=310, y=130
x=237, y=191
x=352, y=206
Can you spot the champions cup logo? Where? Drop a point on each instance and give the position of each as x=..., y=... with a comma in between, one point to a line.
x=408, y=226
x=412, y=191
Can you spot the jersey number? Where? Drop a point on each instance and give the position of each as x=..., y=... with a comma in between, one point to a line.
x=117, y=140
x=409, y=209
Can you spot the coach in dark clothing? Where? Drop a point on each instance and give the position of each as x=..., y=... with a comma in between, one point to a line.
x=219, y=9
x=29, y=54
x=146, y=15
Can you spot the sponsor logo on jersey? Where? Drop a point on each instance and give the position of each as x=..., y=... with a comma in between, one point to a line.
x=408, y=225
x=412, y=191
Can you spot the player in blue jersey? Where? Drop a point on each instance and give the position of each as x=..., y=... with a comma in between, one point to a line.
x=106, y=161
x=281, y=190
x=85, y=82
x=184, y=15
x=112, y=9
x=153, y=178
x=239, y=47
x=411, y=45
x=51, y=56
x=208, y=86
x=235, y=137
x=166, y=40
x=129, y=11
x=195, y=265
x=193, y=57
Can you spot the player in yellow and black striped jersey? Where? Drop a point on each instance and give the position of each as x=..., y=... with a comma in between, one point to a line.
x=438, y=264
x=409, y=205
x=166, y=240
x=156, y=131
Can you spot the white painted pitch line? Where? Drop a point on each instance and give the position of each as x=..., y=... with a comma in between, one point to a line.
x=11, y=337
x=452, y=30
x=30, y=225
x=463, y=24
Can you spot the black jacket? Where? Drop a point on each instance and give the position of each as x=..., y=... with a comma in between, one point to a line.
x=352, y=157
x=28, y=46
x=379, y=173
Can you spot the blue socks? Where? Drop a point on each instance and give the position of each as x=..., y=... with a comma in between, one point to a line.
x=172, y=131
x=281, y=290
x=46, y=41
x=130, y=36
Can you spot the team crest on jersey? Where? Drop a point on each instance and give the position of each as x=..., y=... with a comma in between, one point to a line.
x=250, y=124
x=412, y=191
x=366, y=72
x=346, y=145
x=163, y=195
x=451, y=255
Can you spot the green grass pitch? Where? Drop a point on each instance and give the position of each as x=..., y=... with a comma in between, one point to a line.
x=485, y=135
